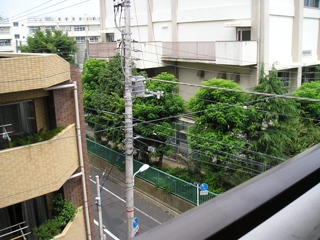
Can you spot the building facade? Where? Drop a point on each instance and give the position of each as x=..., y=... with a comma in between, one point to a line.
x=34, y=173
x=229, y=39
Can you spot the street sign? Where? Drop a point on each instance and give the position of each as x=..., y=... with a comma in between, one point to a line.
x=204, y=192
x=135, y=230
x=137, y=233
x=135, y=222
x=204, y=187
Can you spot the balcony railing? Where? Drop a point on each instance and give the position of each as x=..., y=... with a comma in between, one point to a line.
x=236, y=53
x=189, y=50
x=102, y=50
x=37, y=169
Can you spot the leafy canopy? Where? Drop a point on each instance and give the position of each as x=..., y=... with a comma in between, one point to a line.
x=51, y=41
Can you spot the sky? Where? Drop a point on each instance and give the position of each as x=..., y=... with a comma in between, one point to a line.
x=11, y=8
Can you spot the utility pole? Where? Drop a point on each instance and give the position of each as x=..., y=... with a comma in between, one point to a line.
x=128, y=121
x=98, y=200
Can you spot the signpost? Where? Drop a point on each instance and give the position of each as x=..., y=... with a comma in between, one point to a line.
x=204, y=189
x=135, y=227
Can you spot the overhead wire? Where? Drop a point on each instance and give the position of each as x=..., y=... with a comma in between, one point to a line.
x=30, y=9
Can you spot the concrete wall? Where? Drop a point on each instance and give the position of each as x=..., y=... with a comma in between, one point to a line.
x=173, y=201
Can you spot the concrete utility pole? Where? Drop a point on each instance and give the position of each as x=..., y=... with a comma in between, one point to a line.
x=98, y=200
x=128, y=121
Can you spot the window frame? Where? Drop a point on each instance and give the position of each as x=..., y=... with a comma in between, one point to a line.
x=81, y=40
x=239, y=33
x=16, y=24
x=78, y=28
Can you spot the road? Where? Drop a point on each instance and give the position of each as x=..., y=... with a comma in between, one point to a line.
x=150, y=213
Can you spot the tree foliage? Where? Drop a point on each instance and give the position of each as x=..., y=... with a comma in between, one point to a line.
x=274, y=134
x=220, y=117
x=51, y=41
x=90, y=78
x=151, y=108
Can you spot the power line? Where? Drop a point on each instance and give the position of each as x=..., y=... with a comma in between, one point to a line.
x=31, y=9
x=240, y=91
x=38, y=10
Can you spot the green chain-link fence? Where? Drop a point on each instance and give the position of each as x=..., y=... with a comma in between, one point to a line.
x=167, y=182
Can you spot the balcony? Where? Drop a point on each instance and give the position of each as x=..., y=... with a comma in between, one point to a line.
x=236, y=53
x=102, y=50
x=189, y=50
x=37, y=169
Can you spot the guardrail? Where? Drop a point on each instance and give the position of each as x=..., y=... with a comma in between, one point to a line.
x=241, y=209
x=167, y=182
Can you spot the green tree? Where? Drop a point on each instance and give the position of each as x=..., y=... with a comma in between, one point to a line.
x=151, y=108
x=55, y=41
x=216, y=120
x=274, y=134
x=308, y=130
x=108, y=96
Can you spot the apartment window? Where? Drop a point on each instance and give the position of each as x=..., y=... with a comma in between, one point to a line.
x=311, y=3
x=93, y=39
x=65, y=28
x=49, y=27
x=79, y=28
x=243, y=34
x=4, y=30
x=16, y=24
x=66, y=19
x=110, y=37
x=80, y=39
x=284, y=77
x=59, y=19
x=310, y=74
x=17, y=36
x=93, y=28
x=5, y=42
x=21, y=115
x=33, y=29
x=73, y=19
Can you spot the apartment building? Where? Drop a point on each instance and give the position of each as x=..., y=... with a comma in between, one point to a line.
x=42, y=91
x=14, y=33
x=200, y=40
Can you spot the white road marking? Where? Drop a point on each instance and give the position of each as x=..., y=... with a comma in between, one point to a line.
x=125, y=201
x=106, y=231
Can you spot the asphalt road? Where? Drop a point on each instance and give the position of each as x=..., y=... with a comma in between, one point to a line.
x=150, y=213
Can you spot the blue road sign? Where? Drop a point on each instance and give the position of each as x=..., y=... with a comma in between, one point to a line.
x=135, y=222
x=137, y=233
x=204, y=187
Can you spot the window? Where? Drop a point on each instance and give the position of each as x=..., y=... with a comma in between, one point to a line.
x=79, y=28
x=4, y=30
x=93, y=39
x=80, y=39
x=5, y=42
x=73, y=19
x=93, y=28
x=284, y=77
x=243, y=34
x=49, y=27
x=66, y=19
x=310, y=74
x=311, y=3
x=17, y=36
x=110, y=37
x=33, y=29
x=59, y=19
x=21, y=115
x=65, y=28
x=16, y=24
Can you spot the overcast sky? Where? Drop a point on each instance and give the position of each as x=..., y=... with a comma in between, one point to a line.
x=10, y=8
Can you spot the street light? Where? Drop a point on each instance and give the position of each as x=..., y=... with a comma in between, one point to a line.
x=142, y=169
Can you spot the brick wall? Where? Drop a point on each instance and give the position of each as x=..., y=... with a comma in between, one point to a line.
x=65, y=114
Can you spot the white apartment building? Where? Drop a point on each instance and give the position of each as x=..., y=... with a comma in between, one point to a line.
x=200, y=40
x=15, y=33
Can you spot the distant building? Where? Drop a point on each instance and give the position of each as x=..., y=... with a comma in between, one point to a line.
x=30, y=175
x=200, y=40
x=13, y=34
